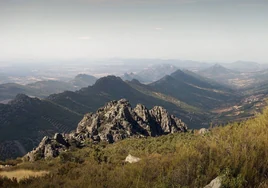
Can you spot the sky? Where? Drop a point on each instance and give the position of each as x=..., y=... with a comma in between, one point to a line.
x=201, y=30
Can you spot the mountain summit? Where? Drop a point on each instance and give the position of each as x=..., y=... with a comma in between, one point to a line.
x=216, y=70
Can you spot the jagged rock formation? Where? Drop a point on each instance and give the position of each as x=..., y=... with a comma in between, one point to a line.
x=115, y=121
x=48, y=147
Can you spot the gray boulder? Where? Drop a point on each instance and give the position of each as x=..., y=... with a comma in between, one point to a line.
x=203, y=131
x=215, y=183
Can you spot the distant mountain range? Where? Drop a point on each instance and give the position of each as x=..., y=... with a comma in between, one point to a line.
x=245, y=66
x=222, y=75
x=44, y=88
x=217, y=70
x=151, y=74
x=236, y=76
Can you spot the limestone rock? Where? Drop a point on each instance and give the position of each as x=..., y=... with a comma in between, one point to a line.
x=132, y=159
x=215, y=183
x=48, y=148
x=203, y=131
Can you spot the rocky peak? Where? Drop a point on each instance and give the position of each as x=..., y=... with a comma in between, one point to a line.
x=118, y=120
x=115, y=121
x=116, y=104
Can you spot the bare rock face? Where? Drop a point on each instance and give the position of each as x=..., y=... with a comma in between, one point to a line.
x=60, y=139
x=115, y=121
x=47, y=148
x=168, y=123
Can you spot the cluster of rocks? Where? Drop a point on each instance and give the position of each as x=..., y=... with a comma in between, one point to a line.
x=4, y=166
x=49, y=147
x=115, y=121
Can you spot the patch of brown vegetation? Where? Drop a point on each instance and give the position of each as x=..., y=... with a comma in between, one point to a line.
x=22, y=174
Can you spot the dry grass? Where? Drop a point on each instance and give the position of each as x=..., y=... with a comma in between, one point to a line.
x=22, y=174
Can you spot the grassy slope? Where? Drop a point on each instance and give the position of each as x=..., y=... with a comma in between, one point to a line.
x=193, y=95
x=237, y=151
x=146, y=90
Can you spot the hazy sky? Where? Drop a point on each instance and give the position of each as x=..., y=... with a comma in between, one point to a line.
x=204, y=30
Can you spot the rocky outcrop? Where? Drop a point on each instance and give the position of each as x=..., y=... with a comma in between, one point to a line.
x=48, y=147
x=118, y=120
x=115, y=121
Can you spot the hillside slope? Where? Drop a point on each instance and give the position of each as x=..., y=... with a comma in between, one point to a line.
x=25, y=121
x=236, y=153
x=193, y=91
